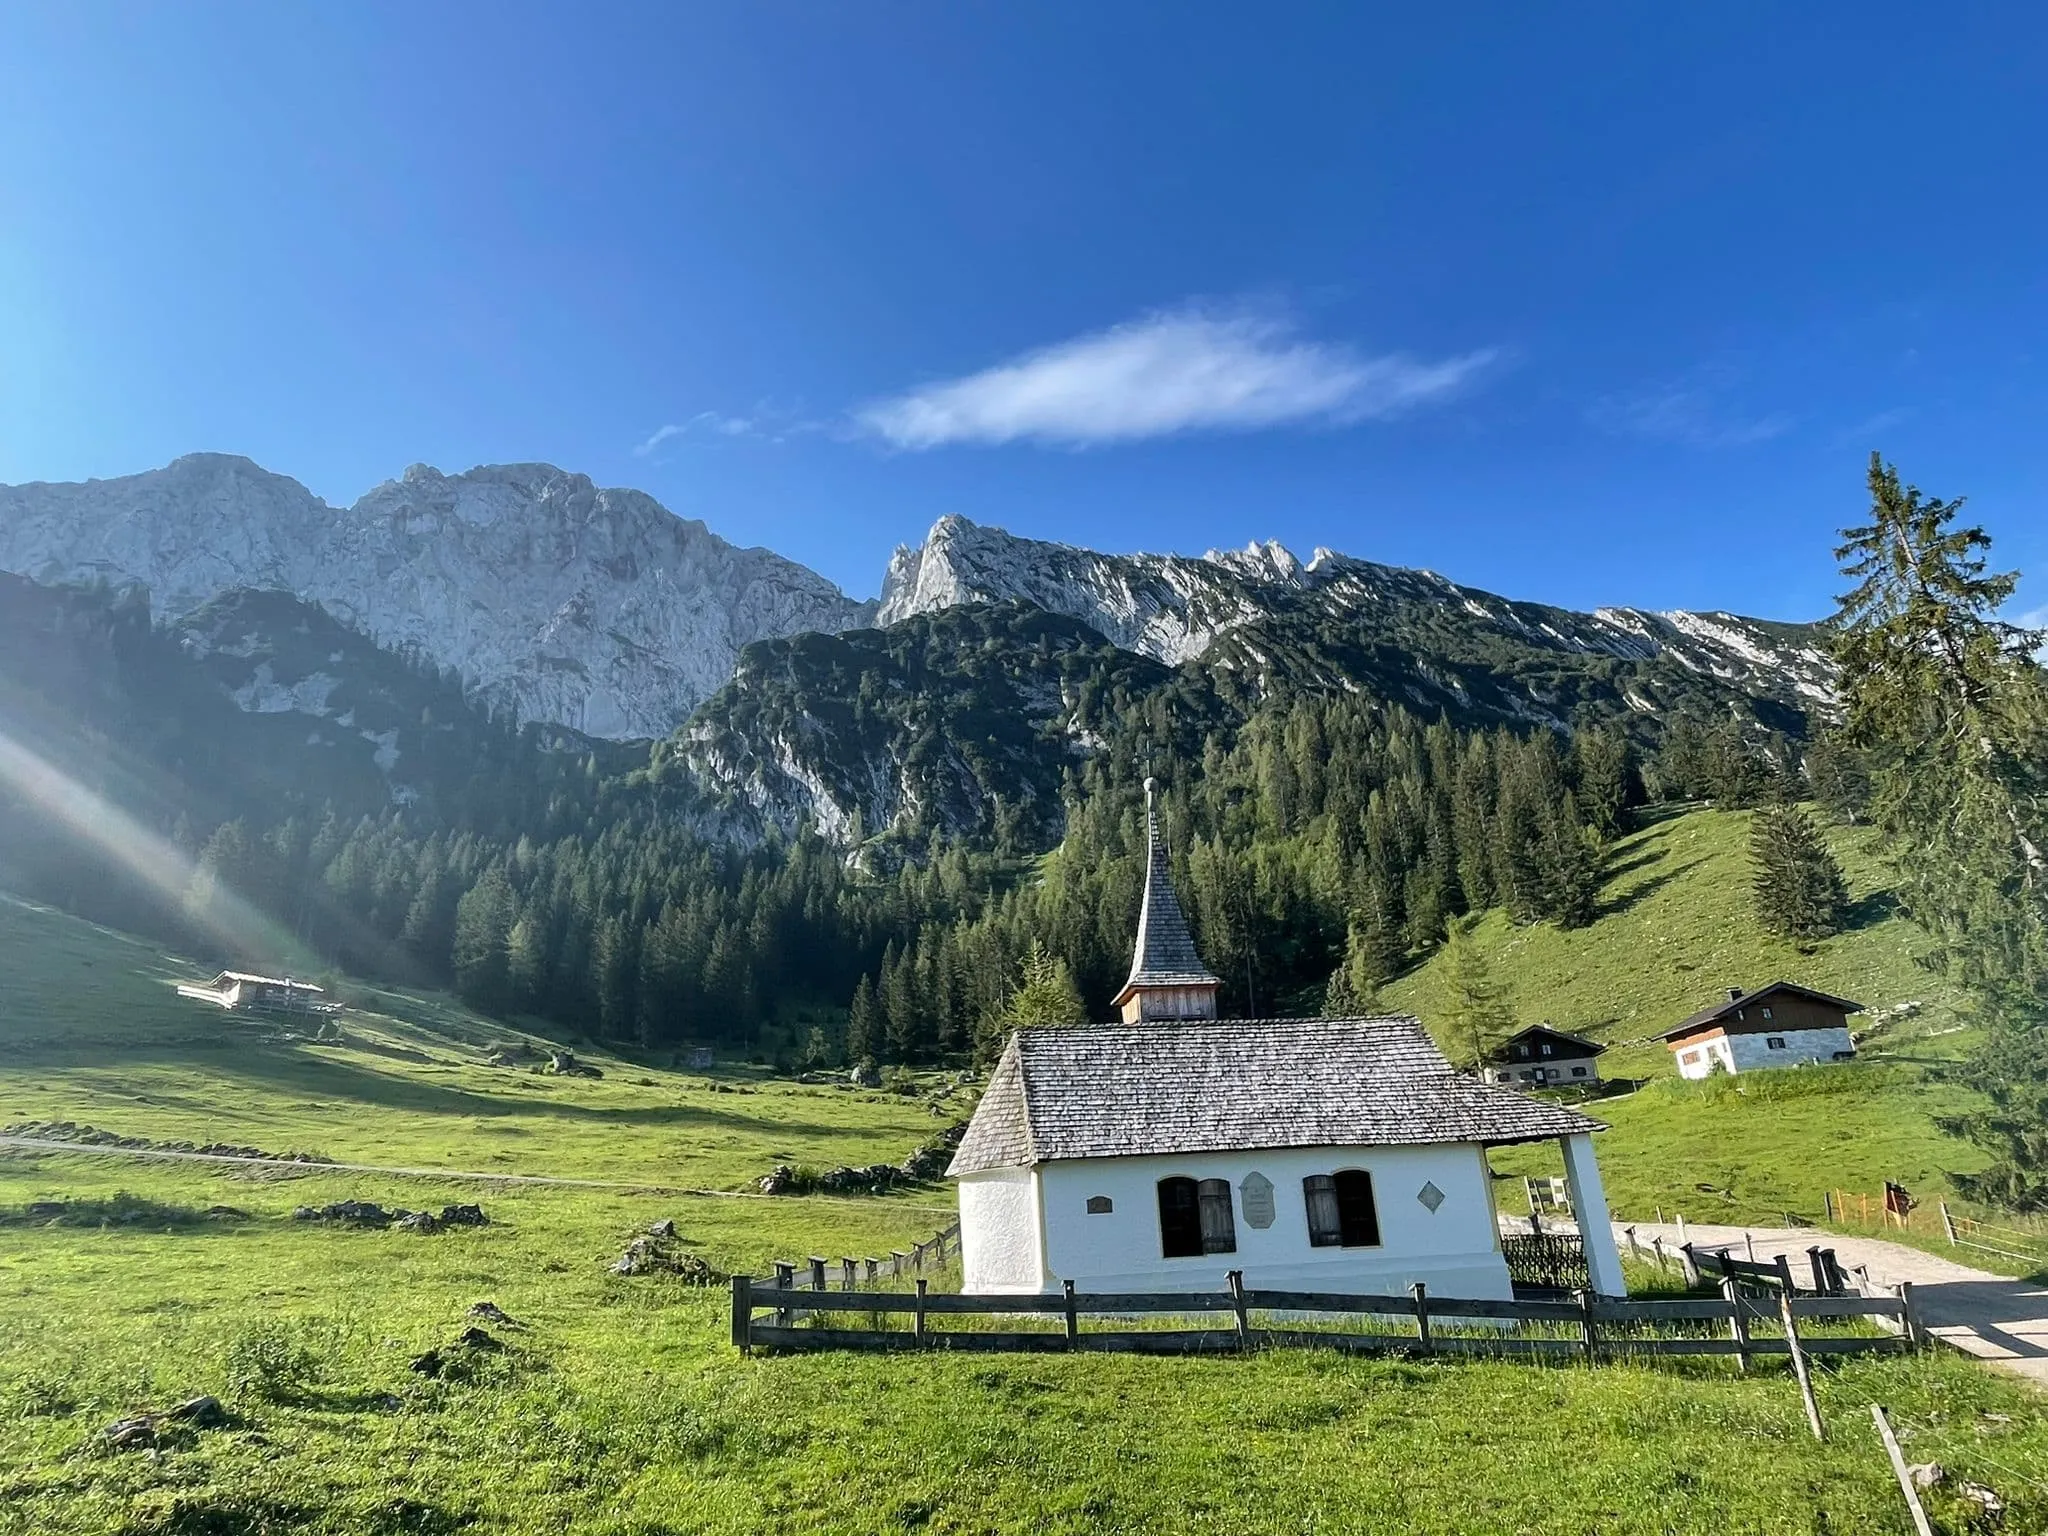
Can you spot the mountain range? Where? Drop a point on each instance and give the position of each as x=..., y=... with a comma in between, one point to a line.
x=600, y=610
x=952, y=702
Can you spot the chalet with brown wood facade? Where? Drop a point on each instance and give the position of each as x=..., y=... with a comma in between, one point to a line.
x=1780, y=1025
x=1543, y=1056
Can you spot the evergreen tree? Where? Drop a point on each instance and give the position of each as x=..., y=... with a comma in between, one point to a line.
x=1476, y=1008
x=1797, y=885
x=864, y=1024
x=1951, y=709
x=1044, y=996
x=483, y=927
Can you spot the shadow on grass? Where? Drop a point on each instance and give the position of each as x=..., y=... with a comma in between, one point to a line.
x=123, y=1210
x=1647, y=889
x=1870, y=911
x=288, y=1069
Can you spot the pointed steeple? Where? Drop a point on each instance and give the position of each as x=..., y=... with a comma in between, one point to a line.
x=1168, y=979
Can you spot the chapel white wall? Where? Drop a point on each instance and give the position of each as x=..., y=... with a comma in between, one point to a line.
x=1455, y=1251
x=999, y=1232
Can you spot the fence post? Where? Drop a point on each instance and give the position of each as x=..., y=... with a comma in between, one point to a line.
x=1799, y=1366
x=1635, y=1248
x=1948, y=1224
x=785, y=1280
x=1827, y=1205
x=1837, y=1284
x=1689, y=1266
x=873, y=1267
x=1738, y=1322
x=1891, y=1449
x=1821, y=1286
x=918, y=1325
x=817, y=1273
x=1785, y=1275
x=1915, y=1330
x=896, y=1258
x=1657, y=1247
x=1749, y=1246
x=1235, y=1280
x=1073, y=1316
x=742, y=1313
x=1585, y=1299
x=1421, y=1294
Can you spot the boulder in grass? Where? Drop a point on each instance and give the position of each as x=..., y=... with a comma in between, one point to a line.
x=464, y=1216
x=666, y=1227
x=491, y=1312
x=200, y=1412
x=419, y=1221
x=136, y=1433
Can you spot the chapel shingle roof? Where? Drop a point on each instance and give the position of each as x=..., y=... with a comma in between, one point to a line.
x=1165, y=953
x=1216, y=1085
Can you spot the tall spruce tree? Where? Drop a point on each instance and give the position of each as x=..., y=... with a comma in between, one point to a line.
x=1795, y=882
x=1951, y=711
x=1476, y=1009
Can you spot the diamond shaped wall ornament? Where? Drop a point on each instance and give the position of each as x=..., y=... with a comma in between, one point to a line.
x=1431, y=1197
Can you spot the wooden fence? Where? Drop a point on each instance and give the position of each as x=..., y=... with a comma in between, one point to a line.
x=819, y=1274
x=1586, y=1326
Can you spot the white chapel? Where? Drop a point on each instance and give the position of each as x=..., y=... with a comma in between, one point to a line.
x=1161, y=1152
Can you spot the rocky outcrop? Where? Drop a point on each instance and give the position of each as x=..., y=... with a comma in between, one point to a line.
x=592, y=608
x=1178, y=608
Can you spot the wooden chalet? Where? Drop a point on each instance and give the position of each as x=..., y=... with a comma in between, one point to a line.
x=1543, y=1056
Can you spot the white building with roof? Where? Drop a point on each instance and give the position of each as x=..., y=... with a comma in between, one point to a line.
x=1162, y=1152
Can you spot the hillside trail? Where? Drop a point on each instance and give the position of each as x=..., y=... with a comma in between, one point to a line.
x=1992, y=1317
x=298, y=1165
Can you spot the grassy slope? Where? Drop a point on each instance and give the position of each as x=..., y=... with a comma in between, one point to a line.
x=91, y=1031
x=1675, y=930
x=621, y=1409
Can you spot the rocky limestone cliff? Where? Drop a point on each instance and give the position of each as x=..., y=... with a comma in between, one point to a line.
x=1178, y=608
x=592, y=608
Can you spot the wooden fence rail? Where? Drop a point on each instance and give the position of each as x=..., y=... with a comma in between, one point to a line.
x=1598, y=1322
x=823, y=1274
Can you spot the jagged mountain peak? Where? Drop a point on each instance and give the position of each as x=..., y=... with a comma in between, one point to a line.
x=589, y=607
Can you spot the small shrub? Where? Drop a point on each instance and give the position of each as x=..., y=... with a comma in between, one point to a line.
x=269, y=1362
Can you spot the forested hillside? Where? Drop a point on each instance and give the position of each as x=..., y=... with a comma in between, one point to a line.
x=384, y=824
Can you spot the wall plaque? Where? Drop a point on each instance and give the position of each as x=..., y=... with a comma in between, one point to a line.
x=1257, y=1194
x=1098, y=1205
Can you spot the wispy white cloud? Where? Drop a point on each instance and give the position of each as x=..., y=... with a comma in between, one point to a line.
x=715, y=424
x=1696, y=410
x=1171, y=372
x=1866, y=431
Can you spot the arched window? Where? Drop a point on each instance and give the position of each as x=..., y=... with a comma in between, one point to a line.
x=1195, y=1218
x=1180, y=1219
x=1341, y=1211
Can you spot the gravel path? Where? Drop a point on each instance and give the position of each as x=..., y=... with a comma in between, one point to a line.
x=1993, y=1317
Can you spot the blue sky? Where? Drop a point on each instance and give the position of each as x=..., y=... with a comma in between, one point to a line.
x=1600, y=309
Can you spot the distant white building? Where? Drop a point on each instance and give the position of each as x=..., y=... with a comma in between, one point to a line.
x=1329, y=1154
x=1781, y=1025
x=243, y=992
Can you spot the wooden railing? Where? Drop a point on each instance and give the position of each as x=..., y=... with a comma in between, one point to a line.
x=821, y=1274
x=1587, y=1326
